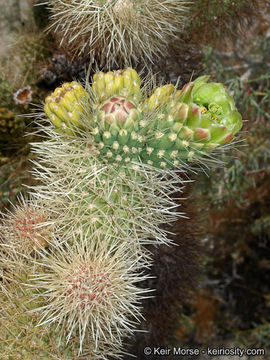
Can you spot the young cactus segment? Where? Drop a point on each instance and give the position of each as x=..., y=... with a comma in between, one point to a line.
x=90, y=289
x=25, y=232
x=65, y=107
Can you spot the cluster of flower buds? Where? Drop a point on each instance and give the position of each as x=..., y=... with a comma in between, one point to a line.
x=165, y=130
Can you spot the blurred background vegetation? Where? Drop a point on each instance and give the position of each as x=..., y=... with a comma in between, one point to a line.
x=233, y=303
x=230, y=40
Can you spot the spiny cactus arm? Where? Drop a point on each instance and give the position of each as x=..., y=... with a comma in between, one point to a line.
x=90, y=288
x=84, y=266
x=104, y=198
x=117, y=30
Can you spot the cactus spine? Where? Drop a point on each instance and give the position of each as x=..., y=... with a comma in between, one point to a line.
x=109, y=168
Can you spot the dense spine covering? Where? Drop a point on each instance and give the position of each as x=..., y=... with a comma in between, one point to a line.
x=108, y=180
x=118, y=31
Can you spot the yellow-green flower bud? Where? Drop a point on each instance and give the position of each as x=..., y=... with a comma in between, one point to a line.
x=160, y=97
x=117, y=83
x=65, y=107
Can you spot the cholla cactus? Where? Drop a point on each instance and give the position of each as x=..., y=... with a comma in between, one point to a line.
x=116, y=30
x=108, y=173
